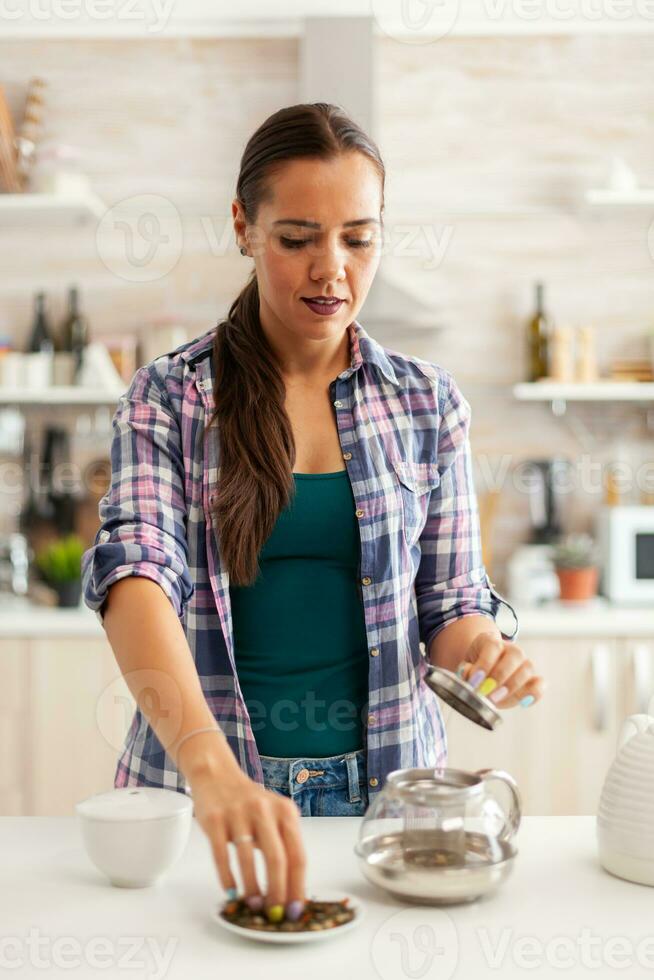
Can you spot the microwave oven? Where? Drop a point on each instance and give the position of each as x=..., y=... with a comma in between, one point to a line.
x=625, y=536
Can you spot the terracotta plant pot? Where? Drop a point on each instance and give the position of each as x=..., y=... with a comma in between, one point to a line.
x=577, y=584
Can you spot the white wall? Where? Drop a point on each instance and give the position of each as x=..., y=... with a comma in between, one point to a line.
x=489, y=144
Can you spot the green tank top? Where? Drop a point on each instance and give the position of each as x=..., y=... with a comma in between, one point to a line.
x=299, y=631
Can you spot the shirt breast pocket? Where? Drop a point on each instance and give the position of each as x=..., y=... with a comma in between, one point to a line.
x=415, y=482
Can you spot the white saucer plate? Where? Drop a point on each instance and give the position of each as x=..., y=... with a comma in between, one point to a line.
x=260, y=935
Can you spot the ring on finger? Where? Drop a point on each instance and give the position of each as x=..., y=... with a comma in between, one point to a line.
x=243, y=839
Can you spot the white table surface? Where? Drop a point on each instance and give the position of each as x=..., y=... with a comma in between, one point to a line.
x=557, y=894
x=598, y=618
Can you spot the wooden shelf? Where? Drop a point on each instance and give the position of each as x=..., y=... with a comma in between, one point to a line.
x=606, y=198
x=62, y=209
x=598, y=391
x=60, y=395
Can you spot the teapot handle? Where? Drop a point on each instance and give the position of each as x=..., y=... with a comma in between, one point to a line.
x=515, y=812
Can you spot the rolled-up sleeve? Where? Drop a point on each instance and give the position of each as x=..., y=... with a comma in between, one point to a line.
x=143, y=513
x=451, y=581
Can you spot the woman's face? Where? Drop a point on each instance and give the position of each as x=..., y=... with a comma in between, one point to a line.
x=319, y=234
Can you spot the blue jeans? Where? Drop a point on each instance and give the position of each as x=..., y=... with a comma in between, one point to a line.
x=331, y=786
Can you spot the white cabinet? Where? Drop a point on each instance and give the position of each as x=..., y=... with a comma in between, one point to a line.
x=64, y=711
x=637, y=677
x=14, y=728
x=560, y=748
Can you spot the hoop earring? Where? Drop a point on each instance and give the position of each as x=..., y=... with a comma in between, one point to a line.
x=243, y=250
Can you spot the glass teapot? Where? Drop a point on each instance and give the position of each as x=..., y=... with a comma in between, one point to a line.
x=440, y=835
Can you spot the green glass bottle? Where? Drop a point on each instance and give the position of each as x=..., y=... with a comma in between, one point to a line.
x=75, y=331
x=539, y=332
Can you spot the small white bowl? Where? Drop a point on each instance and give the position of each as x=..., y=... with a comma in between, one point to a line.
x=134, y=834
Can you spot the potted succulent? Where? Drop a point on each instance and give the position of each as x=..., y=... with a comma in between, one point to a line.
x=575, y=562
x=60, y=564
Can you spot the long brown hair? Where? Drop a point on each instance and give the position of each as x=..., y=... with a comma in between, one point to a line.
x=256, y=445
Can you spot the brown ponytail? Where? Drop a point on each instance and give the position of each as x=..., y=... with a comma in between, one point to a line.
x=256, y=445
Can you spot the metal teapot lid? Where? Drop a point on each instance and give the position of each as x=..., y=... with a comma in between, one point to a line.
x=462, y=697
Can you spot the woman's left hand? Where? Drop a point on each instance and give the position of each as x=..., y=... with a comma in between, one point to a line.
x=500, y=670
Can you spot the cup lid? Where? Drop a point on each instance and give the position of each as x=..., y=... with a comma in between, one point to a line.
x=134, y=803
x=462, y=697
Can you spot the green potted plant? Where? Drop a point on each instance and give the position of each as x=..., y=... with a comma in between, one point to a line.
x=575, y=562
x=60, y=564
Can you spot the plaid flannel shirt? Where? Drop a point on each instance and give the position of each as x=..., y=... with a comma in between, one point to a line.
x=403, y=427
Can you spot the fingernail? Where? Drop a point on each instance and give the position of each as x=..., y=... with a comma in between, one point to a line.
x=489, y=685
x=232, y=894
x=255, y=902
x=275, y=913
x=527, y=701
x=477, y=677
x=294, y=910
x=499, y=694
x=460, y=669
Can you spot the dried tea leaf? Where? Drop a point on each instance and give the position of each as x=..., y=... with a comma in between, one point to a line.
x=316, y=916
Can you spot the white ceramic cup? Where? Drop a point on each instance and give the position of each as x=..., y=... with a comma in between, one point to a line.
x=134, y=834
x=38, y=370
x=12, y=369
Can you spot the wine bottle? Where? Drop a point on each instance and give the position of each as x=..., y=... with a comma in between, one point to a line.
x=75, y=331
x=40, y=341
x=539, y=333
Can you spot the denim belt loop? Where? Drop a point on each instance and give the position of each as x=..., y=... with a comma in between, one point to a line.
x=353, y=792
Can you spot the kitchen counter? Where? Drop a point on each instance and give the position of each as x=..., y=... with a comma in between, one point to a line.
x=559, y=913
x=598, y=618
x=20, y=618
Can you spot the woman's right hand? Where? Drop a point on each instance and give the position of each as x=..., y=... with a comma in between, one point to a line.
x=230, y=806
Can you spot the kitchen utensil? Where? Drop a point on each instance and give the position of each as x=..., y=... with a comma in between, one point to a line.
x=625, y=819
x=164, y=333
x=299, y=937
x=12, y=369
x=14, y=564
x=122, y=349
x=98, y=371
x=134, y=834
x=488, y=505
x=63, y=368
x=463, y=697
x=12, y=432
x=30, y=129
x=9, y=179
x=60, y=502
x=586, y=369
x=439, y=836
x=530, y=575
x=561, y=361
x=542, y=486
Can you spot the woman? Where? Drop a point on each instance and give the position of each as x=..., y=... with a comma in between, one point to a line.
x=291, y=515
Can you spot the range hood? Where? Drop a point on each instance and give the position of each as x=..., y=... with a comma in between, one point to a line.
x=337, y=64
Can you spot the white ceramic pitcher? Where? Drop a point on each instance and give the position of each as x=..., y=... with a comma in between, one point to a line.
x=625, y=820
